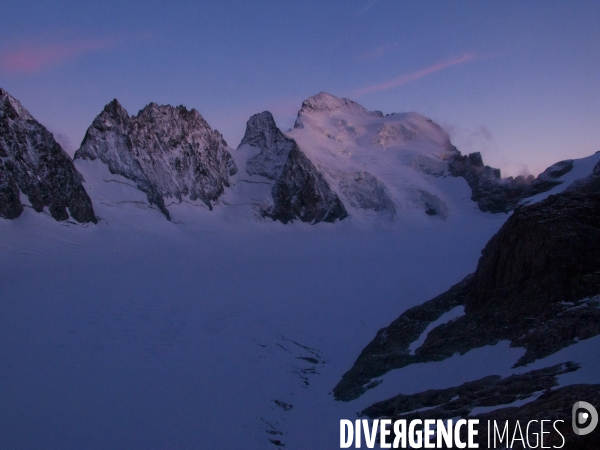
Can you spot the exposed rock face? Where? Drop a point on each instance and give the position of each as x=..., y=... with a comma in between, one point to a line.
x=495, y=194
x=34, y=164
x=261, y=132
x=390, y=348
x=550, y=177
x=545, y=253
x=169, y=152
x=537, y=285
x=300, y=191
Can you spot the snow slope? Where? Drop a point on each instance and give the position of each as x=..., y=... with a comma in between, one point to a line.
x=182, y=335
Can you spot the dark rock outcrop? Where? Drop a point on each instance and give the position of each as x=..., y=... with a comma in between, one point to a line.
x=495, y=194
x=537, y=285
x=390, y=348
x=168, y=151
x=32, y=163
x=302, y=193
x=554, y=405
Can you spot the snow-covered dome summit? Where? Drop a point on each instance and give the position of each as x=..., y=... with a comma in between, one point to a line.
x=324, y=103
x=377, y=163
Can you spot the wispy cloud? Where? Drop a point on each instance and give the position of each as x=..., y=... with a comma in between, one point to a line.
x=31, y=58
x=390, y=84
x=469, y=140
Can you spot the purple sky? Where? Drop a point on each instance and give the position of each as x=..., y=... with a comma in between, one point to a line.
x=518, y=81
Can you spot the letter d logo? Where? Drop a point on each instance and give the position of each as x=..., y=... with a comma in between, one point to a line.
x=582, y=417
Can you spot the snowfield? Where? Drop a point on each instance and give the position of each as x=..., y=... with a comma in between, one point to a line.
x=144, y=333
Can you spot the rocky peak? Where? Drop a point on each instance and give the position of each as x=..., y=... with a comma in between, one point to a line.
x=262, y=132
x=155, y=113
x=168, y=151
x=114, y=112
x=11, y=107
x=302, y=193
x=33, y=164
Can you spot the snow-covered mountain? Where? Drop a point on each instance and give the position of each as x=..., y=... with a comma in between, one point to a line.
x=376, y=164
x=170, y=153
x=34, y=169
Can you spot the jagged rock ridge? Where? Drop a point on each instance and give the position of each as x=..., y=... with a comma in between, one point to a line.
x=496, y=194
x=32, y=163
x=168, y=151
x=459, y=401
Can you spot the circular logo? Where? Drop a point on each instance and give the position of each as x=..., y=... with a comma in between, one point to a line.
x=580, y=418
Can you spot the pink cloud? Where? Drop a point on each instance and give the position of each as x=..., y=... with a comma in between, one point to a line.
x=413, y=76
x=31, y=58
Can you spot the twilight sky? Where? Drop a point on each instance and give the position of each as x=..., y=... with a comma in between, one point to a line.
x=518, y=81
